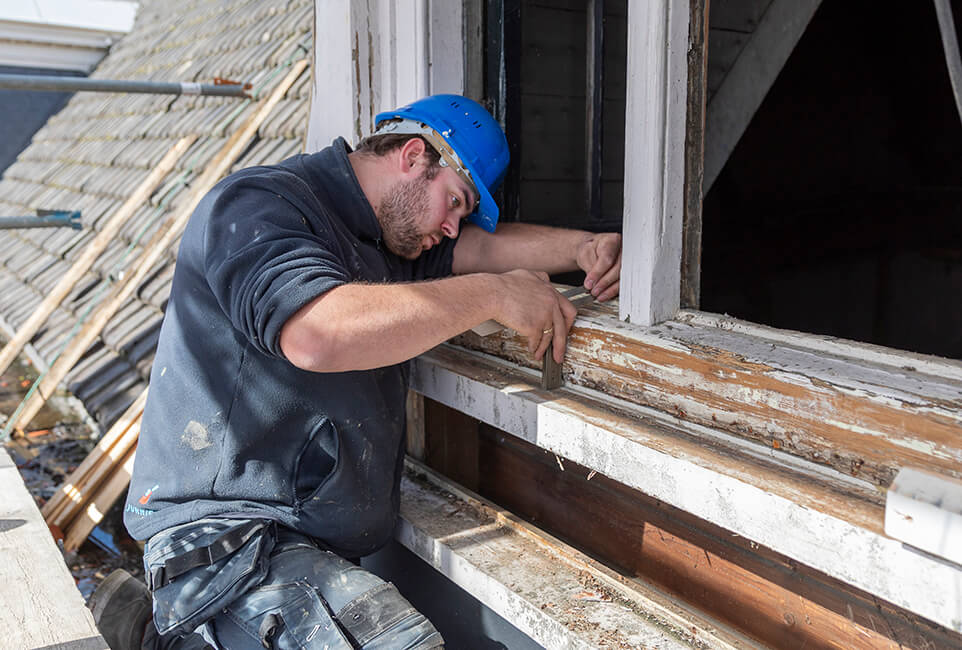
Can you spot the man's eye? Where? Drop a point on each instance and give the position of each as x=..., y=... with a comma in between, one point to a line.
x=455, y=201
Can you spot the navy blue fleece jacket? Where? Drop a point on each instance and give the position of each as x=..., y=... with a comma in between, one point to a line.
x=230, y=426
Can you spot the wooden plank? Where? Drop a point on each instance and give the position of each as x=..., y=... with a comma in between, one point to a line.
x=153, y=250
x=850, y=414
x=335, y=103
x=812, y=514
x=655, y=160
x=776, y=600
x=91, y=252
x=456, y=448
x=553, y=56
x=104, y=497
x=77, y=488
x=40, y=606
x=546, y=589
x=416, y=447
x=747, y=82
x=694, y=155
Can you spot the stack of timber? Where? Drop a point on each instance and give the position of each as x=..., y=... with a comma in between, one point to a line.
x=83, y=499
x=740, y=468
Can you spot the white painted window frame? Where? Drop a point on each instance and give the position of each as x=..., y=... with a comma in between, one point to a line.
x=655, y=112
x=377, y=55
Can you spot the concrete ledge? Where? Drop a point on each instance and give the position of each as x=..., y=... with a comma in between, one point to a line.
x=40, y=606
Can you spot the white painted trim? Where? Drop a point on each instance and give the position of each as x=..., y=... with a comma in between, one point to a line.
x=824, y=344
x=748, y=81
x=55, y=47
x=446, y=50
x=50, y=57
x=863, y=558
x=655, y=114
x=375, y=55
x=334, y=104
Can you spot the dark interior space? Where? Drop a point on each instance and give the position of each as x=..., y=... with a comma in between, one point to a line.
x=537, y=84
x=839, y=211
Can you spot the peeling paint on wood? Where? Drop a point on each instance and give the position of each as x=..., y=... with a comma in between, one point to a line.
x=811, y=513
x=857, y=416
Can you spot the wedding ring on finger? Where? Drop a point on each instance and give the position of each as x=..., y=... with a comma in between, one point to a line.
x=547, y=331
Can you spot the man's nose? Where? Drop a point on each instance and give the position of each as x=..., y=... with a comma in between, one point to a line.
x=449, y=227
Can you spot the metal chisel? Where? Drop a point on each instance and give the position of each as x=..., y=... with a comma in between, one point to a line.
x=551, y=376
x=550, y=370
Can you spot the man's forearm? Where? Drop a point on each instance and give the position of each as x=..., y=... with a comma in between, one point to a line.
x=517, y=246
x=361, y=326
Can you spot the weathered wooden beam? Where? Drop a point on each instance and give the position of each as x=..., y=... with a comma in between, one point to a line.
x=848, y=412
x=813, y=514
x=78, y=488
x=545, y=588
x=101, y=500
x=774, y=599
x=40, y=606
x=694, y=154
x=655, y=115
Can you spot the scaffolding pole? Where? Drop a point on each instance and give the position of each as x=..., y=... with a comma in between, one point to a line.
x=79, y=84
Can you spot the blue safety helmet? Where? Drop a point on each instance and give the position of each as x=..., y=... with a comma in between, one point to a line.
x=468, y=139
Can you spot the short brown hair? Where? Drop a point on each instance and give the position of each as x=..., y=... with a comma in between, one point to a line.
x=379, y=145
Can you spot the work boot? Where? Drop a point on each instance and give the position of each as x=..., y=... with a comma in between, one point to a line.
x=122, y=608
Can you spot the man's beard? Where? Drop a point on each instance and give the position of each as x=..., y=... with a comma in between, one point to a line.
x=398, y=214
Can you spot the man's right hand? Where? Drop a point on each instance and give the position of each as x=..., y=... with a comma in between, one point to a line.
x=531, y=306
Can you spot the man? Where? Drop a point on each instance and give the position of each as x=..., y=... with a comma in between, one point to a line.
x=272, y=441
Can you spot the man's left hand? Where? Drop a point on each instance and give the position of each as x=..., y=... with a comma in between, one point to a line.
x=599, y=255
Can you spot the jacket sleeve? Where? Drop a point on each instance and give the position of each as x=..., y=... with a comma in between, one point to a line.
x=264, y=259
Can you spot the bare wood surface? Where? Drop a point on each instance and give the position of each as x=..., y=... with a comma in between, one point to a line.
x=548, y=590
x=91, y=252
x=761, y=593
x=104, y=497
x=155, y=248
x=855, y=415
x=694, y=154
x=40, y=606
x=415, y=425
x=76, y=489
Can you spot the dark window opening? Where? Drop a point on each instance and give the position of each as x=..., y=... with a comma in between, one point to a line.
x=537, y=87
x=840, y=210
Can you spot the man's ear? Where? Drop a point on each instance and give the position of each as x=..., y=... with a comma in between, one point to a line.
x=411, y=153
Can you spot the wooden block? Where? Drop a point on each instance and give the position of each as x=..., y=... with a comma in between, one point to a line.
x=40, y=606
x=112, y=447
x=103, y=499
